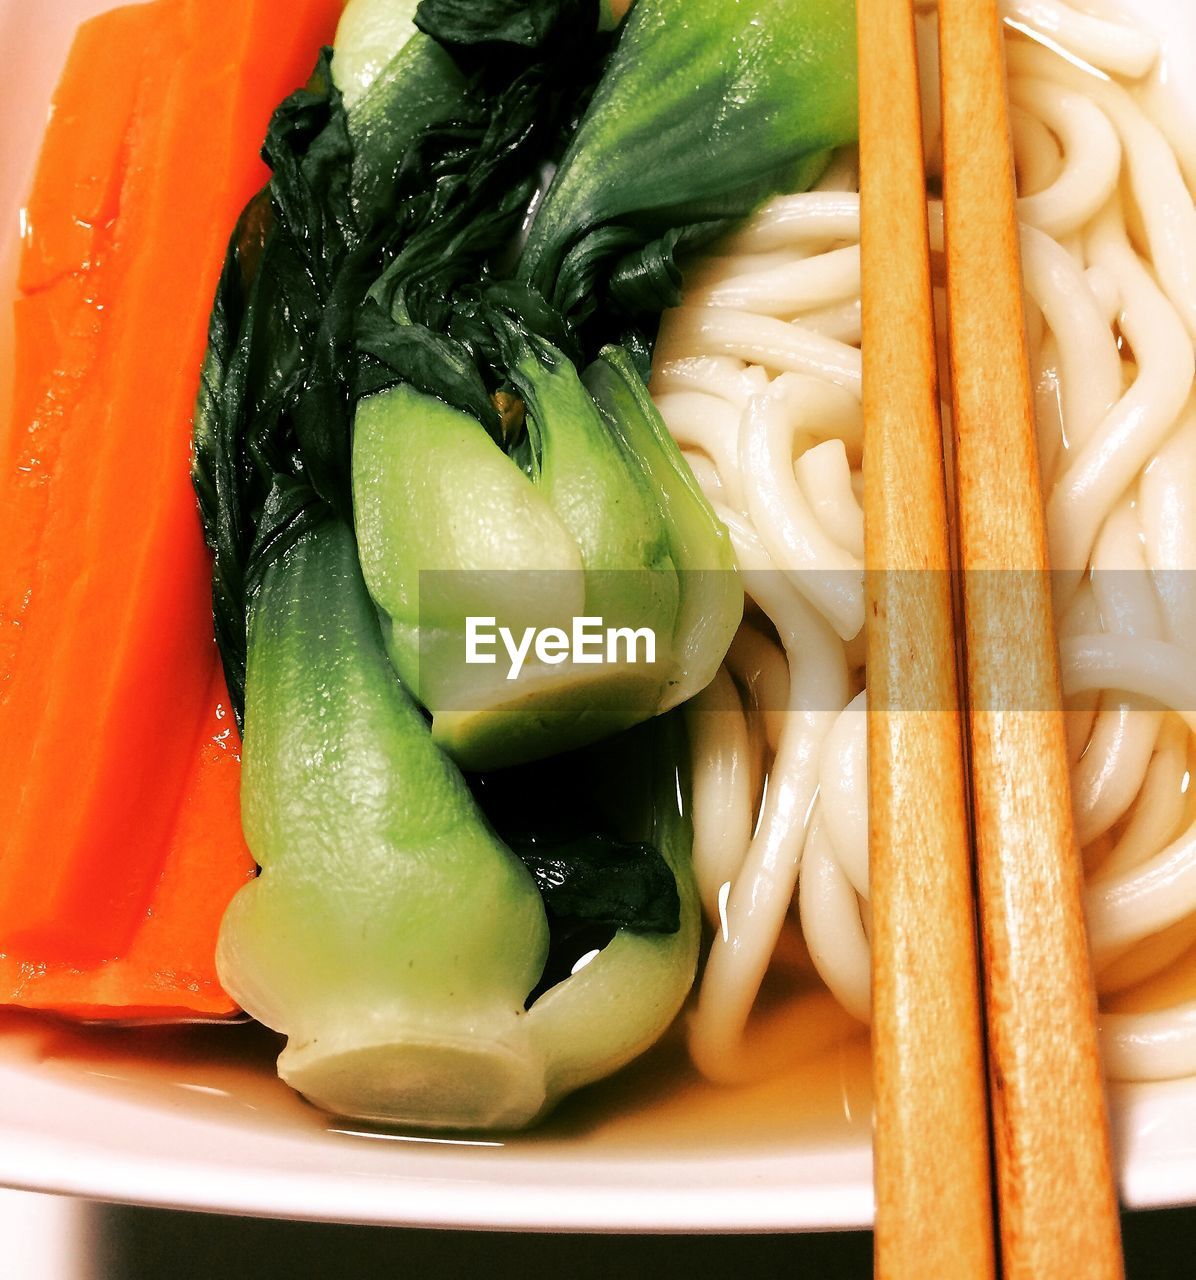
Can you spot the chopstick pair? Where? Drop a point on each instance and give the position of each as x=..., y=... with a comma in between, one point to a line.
x=1031, y=1012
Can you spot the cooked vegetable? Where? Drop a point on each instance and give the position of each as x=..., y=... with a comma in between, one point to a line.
x=392, y=935
x=396, y=81
x=390, y=277
x=273, y=418
x=121, y=841
x=370, y=34
x=373, y=210
x=273, y=433
x=77, y=188
x=167, y=968
x=371, y=361
x=607, y=525
x=379, y=360
x=703, y=112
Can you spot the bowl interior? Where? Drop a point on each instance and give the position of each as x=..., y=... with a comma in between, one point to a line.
x=193, y=1116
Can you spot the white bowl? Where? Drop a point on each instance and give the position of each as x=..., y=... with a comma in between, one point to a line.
x=194, y=1117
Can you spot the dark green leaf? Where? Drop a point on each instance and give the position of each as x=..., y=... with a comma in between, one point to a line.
x=530, y=24
x=595, y=880
x=381, y=250
x=264, y=332
x=340, y=281
x=705, y=110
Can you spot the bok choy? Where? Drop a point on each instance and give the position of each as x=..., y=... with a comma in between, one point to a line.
x=392, y=934
x=411, y=418
x=605, y=523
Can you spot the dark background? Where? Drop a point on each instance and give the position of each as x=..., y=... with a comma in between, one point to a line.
x=148, y=1244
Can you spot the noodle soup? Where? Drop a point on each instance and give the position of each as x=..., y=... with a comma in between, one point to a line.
x=758, y=376
x=761, y=365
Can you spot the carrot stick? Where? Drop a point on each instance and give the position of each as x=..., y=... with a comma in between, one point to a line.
x=107, y=683
x=80, y=170
x=168, y=968
x=1058, y=1206
x=120, y=573
x=930, y=1145
x=66, y=272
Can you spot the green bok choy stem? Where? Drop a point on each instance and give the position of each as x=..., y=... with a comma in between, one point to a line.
x=392, y=936
x=403, y=425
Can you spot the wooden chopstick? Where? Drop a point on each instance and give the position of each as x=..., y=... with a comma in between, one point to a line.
x=1057, y=1204
x=930, y=1151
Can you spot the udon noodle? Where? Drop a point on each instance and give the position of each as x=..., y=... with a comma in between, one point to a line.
x=758, y=378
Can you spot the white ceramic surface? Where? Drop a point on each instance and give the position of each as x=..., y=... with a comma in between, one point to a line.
x=193, y=1117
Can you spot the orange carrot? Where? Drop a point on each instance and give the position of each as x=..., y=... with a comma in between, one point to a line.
x=167, y=970
x=79, y=174
x=113, y=638
x=122, y=842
